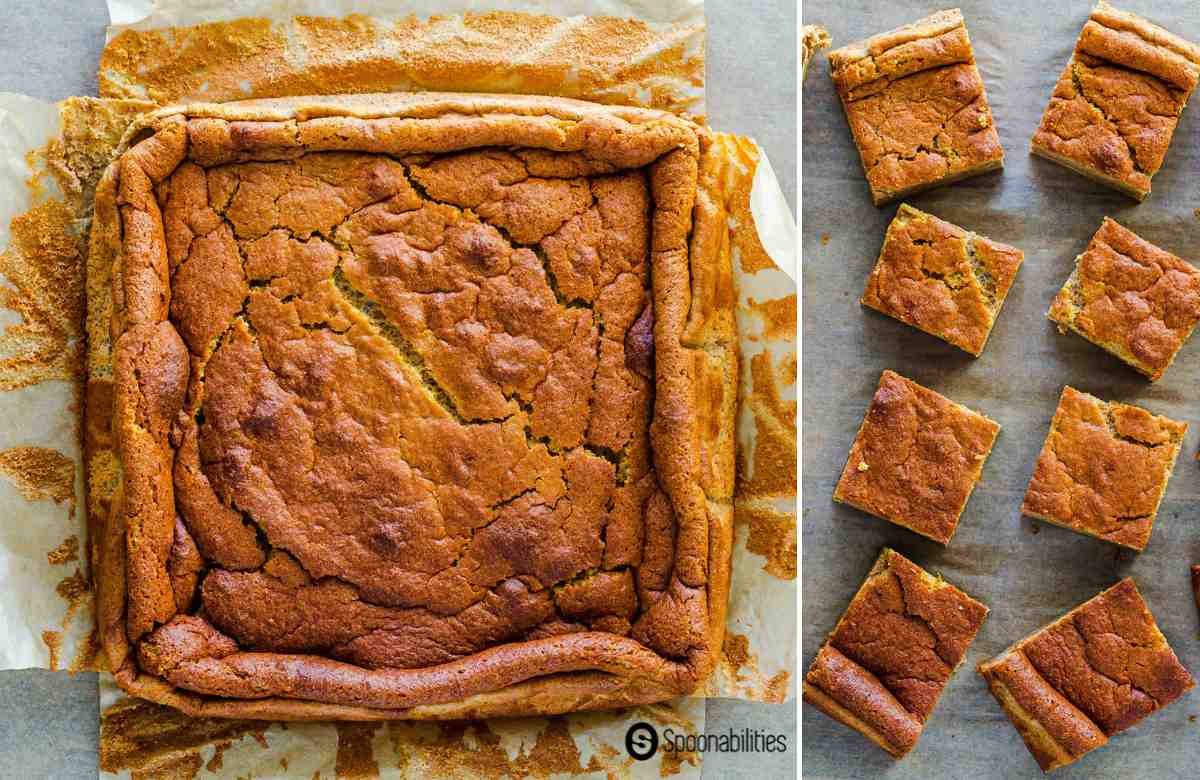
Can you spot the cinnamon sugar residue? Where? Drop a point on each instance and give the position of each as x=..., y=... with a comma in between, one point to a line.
x=355, y=755
x=154, y=741
x=65, y=553
x=777, y=688
x=458, y=749
x=735, y=650
x=53, y=641
x=779, y=316
x=772, y=535
x=44, y=274
x=39, y=473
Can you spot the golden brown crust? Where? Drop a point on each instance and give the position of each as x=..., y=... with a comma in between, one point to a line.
x=916, y=458
x=1117, y=103
x=916, y=106
x=196, y=193
x=885, y=664
x=942, y=279
x=1103, y=469
x=1091, y=674
x=605, y=59
x=1133, y=299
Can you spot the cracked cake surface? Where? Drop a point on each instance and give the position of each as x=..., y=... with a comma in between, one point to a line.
x=916, y=458
x=1103, y=469
x=884, y=666
x=916, y=106
x=1091, y=674
x=1131, y=298
x=411, y=395
x=1116, y=105
x=944, y=280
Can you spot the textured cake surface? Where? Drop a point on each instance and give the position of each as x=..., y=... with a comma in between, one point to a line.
x=1117, y=103
x=885, y=664
x=1103, y=468
x=410, y=410
x=916, y=106
x=942, y=279
x=1133, y=299
x=1091, y=674
x=916, y=458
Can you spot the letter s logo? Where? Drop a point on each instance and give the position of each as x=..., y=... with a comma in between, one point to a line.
x=641, y=741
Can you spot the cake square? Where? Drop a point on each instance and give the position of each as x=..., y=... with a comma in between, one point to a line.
x=1091, y=674
x=917, y=107
x=886, y=663
x=941, y=279
x=916, y=458
x=1131, y=298
x=422, y=407
x=1117, y=103
x=1103, y=469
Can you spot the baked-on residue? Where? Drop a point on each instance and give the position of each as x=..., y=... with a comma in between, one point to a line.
x=916, y=106
x=409, y=409
x=1131, y=298
x=941, y=279
x=1117, y=103
x=1091, y=674
x=885, y=664
x=916, y=458
x=1103, y=469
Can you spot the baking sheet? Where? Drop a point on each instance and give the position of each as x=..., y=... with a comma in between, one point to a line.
x=1027, y=572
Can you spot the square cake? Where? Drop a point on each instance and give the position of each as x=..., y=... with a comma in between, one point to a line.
x=916, y=458
x=1130, y=298
x=916, y=107
x=1117, y=103
x=941, y=279
x=1103, y=469
x=886, y=663
x=422, y=407
x=1091, y=674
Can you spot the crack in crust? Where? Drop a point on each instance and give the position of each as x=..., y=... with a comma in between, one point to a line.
x=885, y=664
x=941, y=279
x=916, y=458
x=1116, y=105
x=416, y=380
x=1103, y=469
x=1091, y=674
x=916, y=107
x=1131, y=298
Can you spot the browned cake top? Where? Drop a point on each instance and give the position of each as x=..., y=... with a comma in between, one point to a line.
x=1137, y=301
x=916, y=458
x=1104, y=468
x=902, y=637
x=1117, y=103
x=942, y=279
x=401, y=404
x=916, y=105
x=1095, y=672
x=387, y=384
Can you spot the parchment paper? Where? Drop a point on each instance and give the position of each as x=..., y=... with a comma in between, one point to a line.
x=1027, y=572
x=45, y=611
x=758, y=669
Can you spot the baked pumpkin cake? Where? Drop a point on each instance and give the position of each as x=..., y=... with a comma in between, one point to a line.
x=422, y=406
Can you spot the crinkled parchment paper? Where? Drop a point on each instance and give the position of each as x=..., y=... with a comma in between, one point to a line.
x=759, y=650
